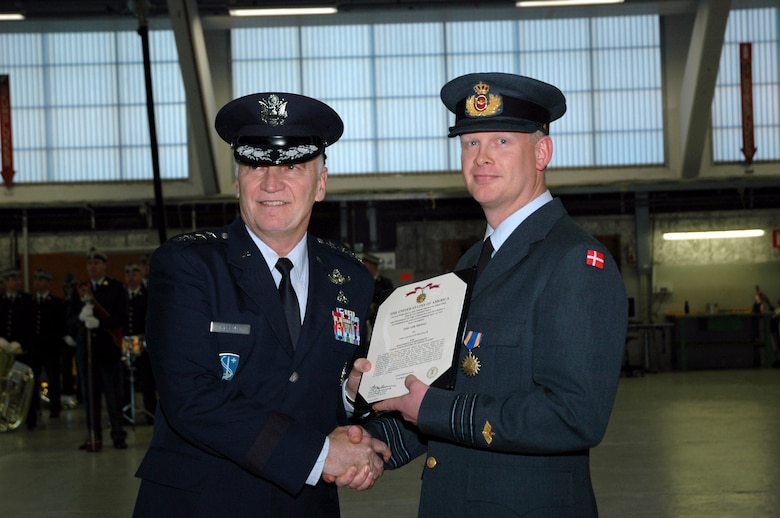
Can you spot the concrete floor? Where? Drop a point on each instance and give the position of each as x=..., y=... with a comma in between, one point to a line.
x=680, y=444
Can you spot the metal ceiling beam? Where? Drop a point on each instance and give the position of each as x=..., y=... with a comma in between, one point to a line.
x=198, y=88
x=698, y=84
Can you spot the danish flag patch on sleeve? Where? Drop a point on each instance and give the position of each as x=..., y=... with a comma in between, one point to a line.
x=595, y=259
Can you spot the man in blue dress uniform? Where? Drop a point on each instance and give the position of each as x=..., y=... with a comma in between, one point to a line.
x=251, y=330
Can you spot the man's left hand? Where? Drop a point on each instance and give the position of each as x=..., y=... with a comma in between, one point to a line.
x=360, y=366
x=409, y=404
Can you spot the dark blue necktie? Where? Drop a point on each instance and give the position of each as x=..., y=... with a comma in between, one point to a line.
x=484, y=256
x=292, y=311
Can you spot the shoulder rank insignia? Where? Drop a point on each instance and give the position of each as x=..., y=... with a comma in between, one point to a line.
x=197, y=236
x=340, y=248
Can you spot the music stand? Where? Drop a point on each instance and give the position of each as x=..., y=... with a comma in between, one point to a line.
x=132, y=347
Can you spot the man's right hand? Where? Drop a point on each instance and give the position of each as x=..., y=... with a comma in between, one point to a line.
x=355, y=459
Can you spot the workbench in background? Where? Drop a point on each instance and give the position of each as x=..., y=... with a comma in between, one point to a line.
x=723, y=339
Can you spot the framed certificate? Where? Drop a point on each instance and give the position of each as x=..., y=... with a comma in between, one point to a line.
x=418, y=329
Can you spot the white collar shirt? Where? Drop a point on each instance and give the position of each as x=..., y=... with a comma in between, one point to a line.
x=501, y=233
x=299, y=276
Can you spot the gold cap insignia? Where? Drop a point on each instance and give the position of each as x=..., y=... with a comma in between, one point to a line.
x=483, y=103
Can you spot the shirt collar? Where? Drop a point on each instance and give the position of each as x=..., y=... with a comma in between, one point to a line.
x=298, y=255
x=504, y=230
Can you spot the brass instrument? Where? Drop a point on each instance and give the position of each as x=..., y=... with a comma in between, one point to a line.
x=17, y=383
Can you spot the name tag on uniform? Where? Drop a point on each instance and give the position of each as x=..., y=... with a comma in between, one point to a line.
x=227, y=327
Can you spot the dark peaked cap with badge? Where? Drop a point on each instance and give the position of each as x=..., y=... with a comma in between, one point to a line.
x=40, y=273
x=496, y=101
x=94, y=253
x=277, y=128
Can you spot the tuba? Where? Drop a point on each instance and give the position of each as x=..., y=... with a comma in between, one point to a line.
x=17, y=383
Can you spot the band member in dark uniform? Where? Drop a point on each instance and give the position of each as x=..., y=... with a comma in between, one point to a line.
x=98, y=310
x=49, y=330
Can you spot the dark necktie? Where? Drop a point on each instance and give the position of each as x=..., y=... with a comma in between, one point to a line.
x=292, y=311
x=484, y=256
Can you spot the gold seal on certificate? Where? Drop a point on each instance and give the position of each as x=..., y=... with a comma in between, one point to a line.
x=417, y=331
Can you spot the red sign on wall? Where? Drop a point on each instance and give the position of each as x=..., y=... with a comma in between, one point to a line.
x=746, y=86
x=776, y=238
x=6, y=143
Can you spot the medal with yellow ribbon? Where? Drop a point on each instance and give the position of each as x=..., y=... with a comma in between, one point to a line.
x=470, y=364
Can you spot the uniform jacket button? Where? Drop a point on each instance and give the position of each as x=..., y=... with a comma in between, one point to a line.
x=294, y=377
x=431, y=462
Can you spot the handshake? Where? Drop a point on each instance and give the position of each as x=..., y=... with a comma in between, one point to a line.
x=355, y=459
x=87, y=316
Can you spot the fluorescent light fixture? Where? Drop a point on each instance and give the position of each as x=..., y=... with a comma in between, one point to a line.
x=563, y=3
x=713, y=234
x=285, y=11
x=11, y=17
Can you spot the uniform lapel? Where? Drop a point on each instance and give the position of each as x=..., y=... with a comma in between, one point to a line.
x=517, y=246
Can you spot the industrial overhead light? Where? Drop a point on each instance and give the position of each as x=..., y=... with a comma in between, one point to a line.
x=11, y=17
x=713, y=234
x=563, y=3
x=283, y=11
